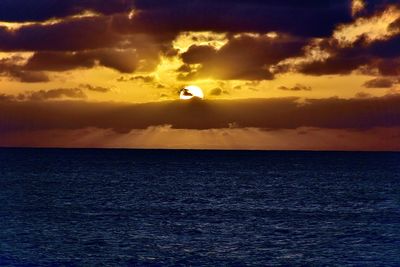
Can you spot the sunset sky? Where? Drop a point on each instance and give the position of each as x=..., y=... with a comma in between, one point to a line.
x=319, y=75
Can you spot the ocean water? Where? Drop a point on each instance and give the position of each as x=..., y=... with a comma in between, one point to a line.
x=198, y=208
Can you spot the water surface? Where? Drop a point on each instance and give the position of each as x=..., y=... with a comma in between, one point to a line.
x=200, y=208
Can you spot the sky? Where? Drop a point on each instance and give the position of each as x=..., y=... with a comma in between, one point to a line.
x=276, y=75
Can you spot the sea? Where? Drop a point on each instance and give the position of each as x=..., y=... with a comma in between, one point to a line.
x=94, y=207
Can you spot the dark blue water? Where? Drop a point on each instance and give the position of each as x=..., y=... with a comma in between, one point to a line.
x=198, y=208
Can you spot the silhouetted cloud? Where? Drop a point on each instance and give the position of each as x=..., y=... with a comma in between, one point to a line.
x=297, y=87
x=11, y=68
x=279, y=113
x=373, y=6
x=317, y=18
x=380, y=83
x=382, y=55
x=125, y=61
x=244, y=57
x=226, y=138
x=55, y=94
x=143, y=78
x=43, y=95
x=155, y=24
x=217, y=92
x=98, y=89
x=40, y=10
x=363, y=95
x=68, y=35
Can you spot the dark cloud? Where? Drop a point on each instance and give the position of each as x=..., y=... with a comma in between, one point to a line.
x=5, y=97
x=317, y=18
x=68, y=35
x=244, y=57
x=383, y=55
x=185, y=68
x=383, y=49
x=341, y=61
x=125, y=61
x=54, y=94
x=40, y=10
x=395, y=26
x=297, y=87
x=387, y=67
x=380, y=83
x=338, y=64
x=156, y=23
x=374, y=6
x=196, y=54
x=216, y=91
x=43, y=95
x=98, y=89
x=28, y=76
x=83, y=34
x=143, y=78
x=279, y=113
x=85, y=43
x=12, y=68
x=363, y=95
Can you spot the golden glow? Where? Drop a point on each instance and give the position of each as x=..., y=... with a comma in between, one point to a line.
x=165, y=83
x=12, y=26
x=190, y=92
x=19, y=58
x=357, y=6
x=271, y=35
x=373, y=28
x=132, y=14
x=312, y=52
x=187, y=39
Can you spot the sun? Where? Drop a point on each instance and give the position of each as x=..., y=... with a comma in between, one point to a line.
x=191, y=91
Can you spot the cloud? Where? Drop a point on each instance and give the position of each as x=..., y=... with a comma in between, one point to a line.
x=43, y=95
x=297, y=87
x=56, y=93
x=28, y=76
x=69, y=35
x=363, y=95
x=124, y=61
x=85, y=43
x=279, y=113
x=375, y=6
x=382, y=55
x=155, y=24
x=86, y=33
x=243, y=16
x=380, y=83
x=98, y=89
x=236, y=61
x=5, y=97
x=395, y=26
x=304, y=138
x=12, y=68
x=143, y=78
x=41, y=10
x=196, y=54
x=216, y=92
x=318, y=18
